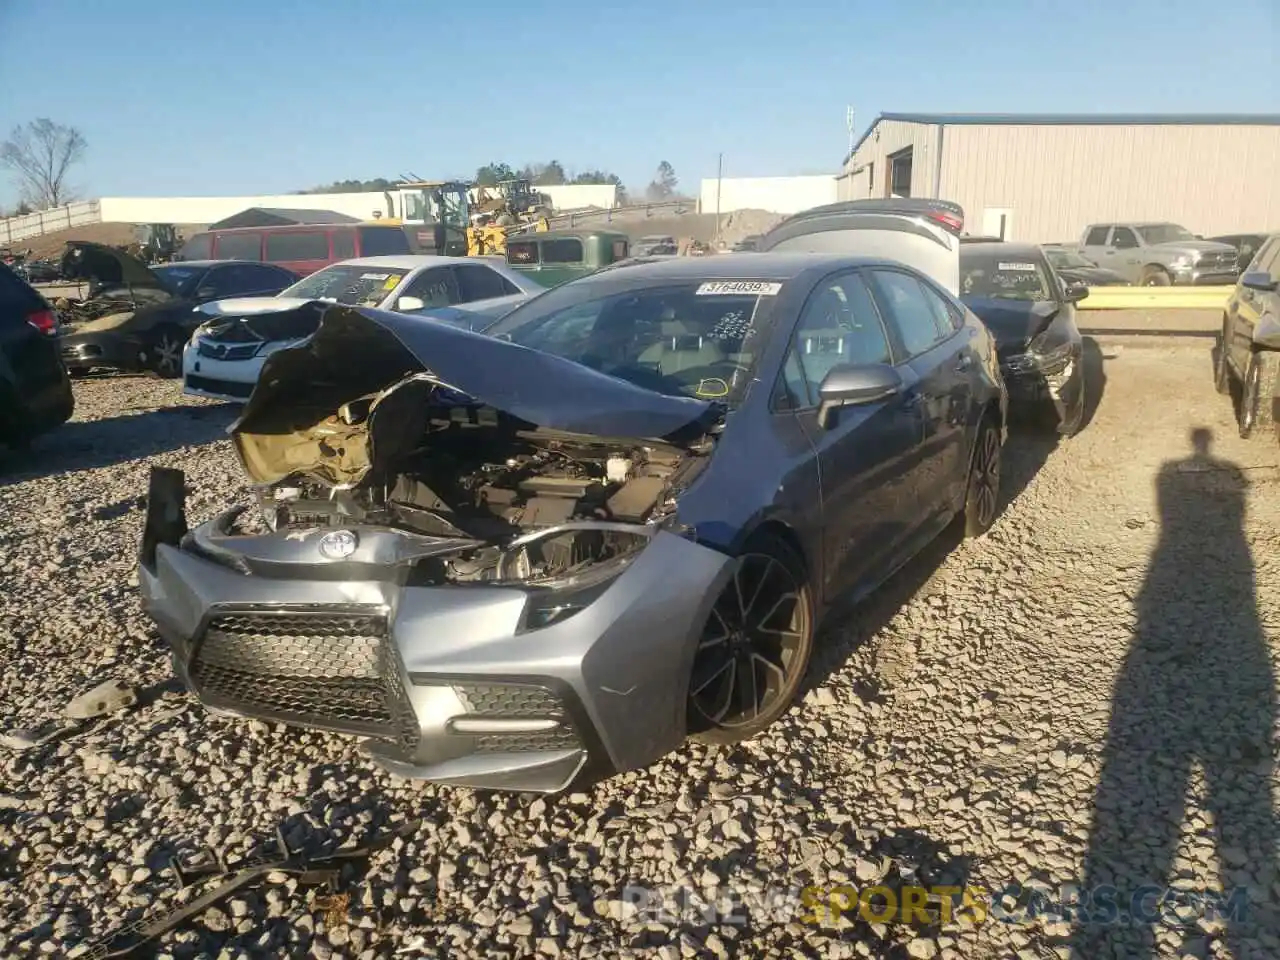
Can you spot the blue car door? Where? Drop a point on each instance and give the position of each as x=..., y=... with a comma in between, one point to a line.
x=933, y=343
x=867, y=455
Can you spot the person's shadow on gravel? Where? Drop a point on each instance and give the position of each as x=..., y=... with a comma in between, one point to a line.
x=1192, y=712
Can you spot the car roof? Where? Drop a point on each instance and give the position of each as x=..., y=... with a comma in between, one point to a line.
x=728, y=266
x=998, y=247
x=407, y=261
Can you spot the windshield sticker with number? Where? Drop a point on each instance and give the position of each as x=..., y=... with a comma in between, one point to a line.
x=1028, y=267
x=374, y=276
x=732, y=288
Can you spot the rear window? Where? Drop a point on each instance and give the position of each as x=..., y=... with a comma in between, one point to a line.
x=239, y=246
x=297, y=246
x=383, y=241
x=562, y=251
x=522, y=253
x=199, y=247
x=619, y=250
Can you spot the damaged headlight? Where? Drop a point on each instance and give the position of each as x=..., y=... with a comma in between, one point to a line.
x=566, y=570
x=1052, y=349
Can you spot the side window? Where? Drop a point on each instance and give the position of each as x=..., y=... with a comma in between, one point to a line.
x=245, y=278
x=1097, y=237
x=918, y=321
x=1122, y=238
x=433, y=287
x=568, y=250
x=199, y=247
x=480, y=283
x=840, y=326
x=380, y=241
x=1268, y=257
x=240, y=246
x=344, y=245
x=297, y=246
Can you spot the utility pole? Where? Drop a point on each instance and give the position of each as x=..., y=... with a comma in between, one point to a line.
x=719, y=178
x=848, y=122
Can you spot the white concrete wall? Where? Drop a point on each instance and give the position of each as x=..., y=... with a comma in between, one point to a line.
x=574, y=196
x=361, y=205
x=775, y=194
x=213, y=209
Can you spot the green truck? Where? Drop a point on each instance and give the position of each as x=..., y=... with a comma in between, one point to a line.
x=558, y=256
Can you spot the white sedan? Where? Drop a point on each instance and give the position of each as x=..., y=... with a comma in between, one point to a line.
x=227, y=352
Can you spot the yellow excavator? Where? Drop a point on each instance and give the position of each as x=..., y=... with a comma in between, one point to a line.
x=442, y=218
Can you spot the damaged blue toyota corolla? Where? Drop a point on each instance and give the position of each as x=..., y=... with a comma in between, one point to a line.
x=551, y=552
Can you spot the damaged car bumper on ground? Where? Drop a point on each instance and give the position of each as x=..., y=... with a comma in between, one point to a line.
x=1049, y=383
x=460, y=684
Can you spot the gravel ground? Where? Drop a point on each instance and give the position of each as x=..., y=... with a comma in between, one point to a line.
x=1084, y=696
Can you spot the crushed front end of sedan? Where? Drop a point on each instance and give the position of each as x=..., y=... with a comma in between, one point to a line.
x=463, y=550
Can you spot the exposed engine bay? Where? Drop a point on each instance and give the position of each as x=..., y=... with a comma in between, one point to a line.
x=510, y=501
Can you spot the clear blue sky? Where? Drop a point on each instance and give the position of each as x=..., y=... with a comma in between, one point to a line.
x=192, y=97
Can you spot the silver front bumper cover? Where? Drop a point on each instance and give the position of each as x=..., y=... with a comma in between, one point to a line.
x=617, y=669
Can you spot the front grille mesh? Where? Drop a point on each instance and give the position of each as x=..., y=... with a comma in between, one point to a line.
x=325, y=669
x=509, y=700
x=524, y=742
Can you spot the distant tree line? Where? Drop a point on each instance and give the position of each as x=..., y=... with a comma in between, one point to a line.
x=550, y=174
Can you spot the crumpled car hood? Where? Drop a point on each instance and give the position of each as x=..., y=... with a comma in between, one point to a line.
x=244, y=306
x=84, y=260
x=292, y=423
x=1014, y=323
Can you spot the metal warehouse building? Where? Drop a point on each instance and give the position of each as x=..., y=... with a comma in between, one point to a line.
x=1043, y=178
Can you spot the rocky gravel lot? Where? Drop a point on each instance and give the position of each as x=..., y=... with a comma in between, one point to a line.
x=1084, y=696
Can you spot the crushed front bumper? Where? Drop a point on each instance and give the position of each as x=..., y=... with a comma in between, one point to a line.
x=444, y=683
x=1034, y=382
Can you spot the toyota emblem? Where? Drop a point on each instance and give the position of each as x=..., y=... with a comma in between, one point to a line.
x=339, y=544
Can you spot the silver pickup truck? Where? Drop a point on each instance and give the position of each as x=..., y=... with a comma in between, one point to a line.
x=1159, y=254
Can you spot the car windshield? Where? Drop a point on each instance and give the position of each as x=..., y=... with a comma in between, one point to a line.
x=696, y=339
x=1164, y=233
x=353, y=285
x=994, y=276
x=1066, y=259
x=179, y=279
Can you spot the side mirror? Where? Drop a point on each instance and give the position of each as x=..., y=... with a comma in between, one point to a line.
x=1258, y=280
x=848, y=386
x=1076, y=292
x=410, y=304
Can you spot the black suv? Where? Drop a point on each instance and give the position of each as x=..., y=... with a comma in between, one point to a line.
x=35, y=390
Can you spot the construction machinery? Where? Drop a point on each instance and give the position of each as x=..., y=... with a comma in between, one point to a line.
x=440, y=216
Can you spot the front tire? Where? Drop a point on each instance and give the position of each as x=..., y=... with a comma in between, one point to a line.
x=755, y=647
x=1257, y=394
x=1156, y=277
x=982, y=495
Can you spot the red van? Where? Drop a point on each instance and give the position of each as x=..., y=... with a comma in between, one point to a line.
x=304, y=248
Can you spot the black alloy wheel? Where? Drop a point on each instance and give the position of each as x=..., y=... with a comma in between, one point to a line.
x=982, y=500
x=755, y=646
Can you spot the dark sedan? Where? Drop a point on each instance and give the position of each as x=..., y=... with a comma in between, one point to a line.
x=1032, y=314
x=1246, y=246
x=613, y=520
x=148, y=334
x=1073, y=268
x=35, y=391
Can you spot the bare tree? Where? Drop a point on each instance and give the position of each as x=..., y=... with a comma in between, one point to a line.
x=40, y=154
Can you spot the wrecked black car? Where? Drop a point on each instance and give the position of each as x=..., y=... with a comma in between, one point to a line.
x=1032, y=315
x=138, y=318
